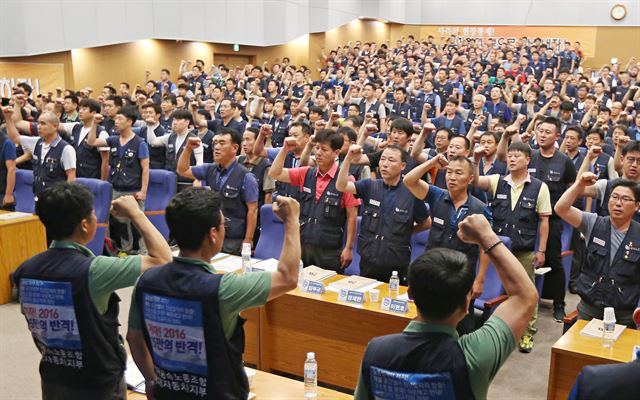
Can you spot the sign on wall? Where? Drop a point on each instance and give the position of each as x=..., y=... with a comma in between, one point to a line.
x=42, y=78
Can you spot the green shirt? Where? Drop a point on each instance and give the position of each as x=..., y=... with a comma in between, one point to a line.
x=485, y=350
x=236, y=293
x=106, y=274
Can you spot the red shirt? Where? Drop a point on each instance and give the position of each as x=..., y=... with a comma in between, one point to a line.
x=296, y=178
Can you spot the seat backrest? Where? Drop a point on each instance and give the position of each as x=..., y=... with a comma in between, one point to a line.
x=162, y=188
x=354, y=267
x=271, y=235
x=25, y=201
x=389, y=385
x=492, y=283
x=418, y=243
x=567, y=232
x=101, y=196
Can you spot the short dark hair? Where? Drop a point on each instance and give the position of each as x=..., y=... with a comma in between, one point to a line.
x=521, y=147
x=356, y=120
x=633, y=145
x=236, y=138
x=467, y=142
x=440, y=281
x=156, y=107
x=182, y=114
x=577, y=129
x=635, y=188
x=403, y=153
x=334, y=139
x=191, y=214
x=253, y=130
x=62, y=206
x=117, y=100
x=171, y=98
x=404, y=125
x=165, y=70
x=463, y=160
x=553, y=121
x=351, y=134
x=449, y=132
x=72, y=97
x=493, y=134
x=130, y=113
x=26, y=87
x=566, y=106
x=155, y=84
x=111, y=89
x=306, y=128
x=91, y=104
x=315, y=109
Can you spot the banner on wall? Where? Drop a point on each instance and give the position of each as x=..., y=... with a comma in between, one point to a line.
x=42, y=78
x=508, y=34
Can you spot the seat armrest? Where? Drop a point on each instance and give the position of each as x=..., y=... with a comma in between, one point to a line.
x=491, y=303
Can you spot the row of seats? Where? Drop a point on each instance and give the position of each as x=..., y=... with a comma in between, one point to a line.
x=162, y=188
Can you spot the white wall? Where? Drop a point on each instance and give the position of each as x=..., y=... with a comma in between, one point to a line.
x=29, y=27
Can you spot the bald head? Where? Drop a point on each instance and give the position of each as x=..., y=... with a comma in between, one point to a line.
x=50, y=118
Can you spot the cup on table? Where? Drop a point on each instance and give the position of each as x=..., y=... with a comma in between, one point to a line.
x=374, y=295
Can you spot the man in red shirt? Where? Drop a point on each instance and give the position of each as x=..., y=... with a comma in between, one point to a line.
x=323, y=209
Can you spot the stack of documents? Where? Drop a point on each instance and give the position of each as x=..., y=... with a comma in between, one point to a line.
x=316, y=274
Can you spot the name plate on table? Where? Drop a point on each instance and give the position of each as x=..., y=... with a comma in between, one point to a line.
x=351, y=296
x=312, y=287
x=395, y=305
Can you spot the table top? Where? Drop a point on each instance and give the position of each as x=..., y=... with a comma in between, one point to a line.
x=29, y=218
x=572, y=342
x=274, y=387
x=332, y=297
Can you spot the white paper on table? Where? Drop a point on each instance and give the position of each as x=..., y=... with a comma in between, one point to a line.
x=134, y=378
x=230, y=264
x=542, y=271
x=14, y=215
x=363, y=289
x=270, y=265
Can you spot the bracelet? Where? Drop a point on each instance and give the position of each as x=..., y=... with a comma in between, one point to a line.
x=541, y=251
x=493, y=246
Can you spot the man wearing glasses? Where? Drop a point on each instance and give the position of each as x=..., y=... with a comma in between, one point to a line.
x=609, y=276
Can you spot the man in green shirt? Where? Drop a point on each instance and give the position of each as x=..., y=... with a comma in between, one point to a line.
x=185, y=333
x=429, y=355
x=67, y=295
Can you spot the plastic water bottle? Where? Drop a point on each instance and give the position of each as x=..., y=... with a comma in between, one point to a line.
x=246, y=258
x=394, y=285
x=608, y=327
x=310, y=376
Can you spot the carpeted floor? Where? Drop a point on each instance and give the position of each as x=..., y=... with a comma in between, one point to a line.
x=524, y=376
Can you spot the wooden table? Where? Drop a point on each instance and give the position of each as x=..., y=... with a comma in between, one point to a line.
x=269, y=386
x=338, y=333
x=574, y=351
x=20, y=239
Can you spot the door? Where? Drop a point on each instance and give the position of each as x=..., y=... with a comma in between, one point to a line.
x=232, y=60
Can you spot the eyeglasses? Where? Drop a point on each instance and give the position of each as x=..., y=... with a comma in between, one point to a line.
x=625, y=199
x=633, y=160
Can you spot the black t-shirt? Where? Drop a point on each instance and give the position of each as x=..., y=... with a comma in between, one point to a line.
x=542, y=171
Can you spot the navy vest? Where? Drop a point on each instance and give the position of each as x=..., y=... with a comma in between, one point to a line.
x=233, y=206
x=610, y=381
x=280, y=130
x=258, y=171
x=88, y=160
x=385, y=238
x=321, y=223
x=442, y=234
x=602, y=209
x=375, y=107
x=283, y=188
x=521, y=223
x=173, y=154
x=553, y=176
x=157, y=157
x=601, y=166
x=80, y=347
x=616, y=285
x=126, y=171
x=472, y=116
x=412, y=354
x=192, y=358
x=402, y=110
x=48, y=169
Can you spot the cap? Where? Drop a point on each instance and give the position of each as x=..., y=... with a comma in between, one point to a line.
x=394, y=273
x=311, y=355
x=609, y=314
x=246, y=247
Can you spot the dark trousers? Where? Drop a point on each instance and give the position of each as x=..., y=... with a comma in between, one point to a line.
x=57, y=391
x=382, y=273
x=579, y=248
x=323, y=257
x=232, y=246
x=554, y=280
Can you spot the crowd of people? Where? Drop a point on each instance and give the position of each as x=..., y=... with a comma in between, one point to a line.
x=466, y=138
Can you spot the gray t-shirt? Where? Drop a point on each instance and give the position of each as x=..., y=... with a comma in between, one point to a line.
x=588, y=222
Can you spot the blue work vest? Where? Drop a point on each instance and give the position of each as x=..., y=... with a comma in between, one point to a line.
x=48, y=169
x=233, y=205
x=126, y=170
x=88, y=159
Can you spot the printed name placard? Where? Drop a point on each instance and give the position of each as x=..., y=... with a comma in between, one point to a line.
x=395, y=305
x=351, y=296
x=312, y=287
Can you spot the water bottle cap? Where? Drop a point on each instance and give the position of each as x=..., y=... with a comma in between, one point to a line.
x=609, y=314
x=246, y=247
x=394, y=273
x=311, y=355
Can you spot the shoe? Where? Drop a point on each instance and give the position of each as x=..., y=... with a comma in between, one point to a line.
x=558, y=313
x=526, y=344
